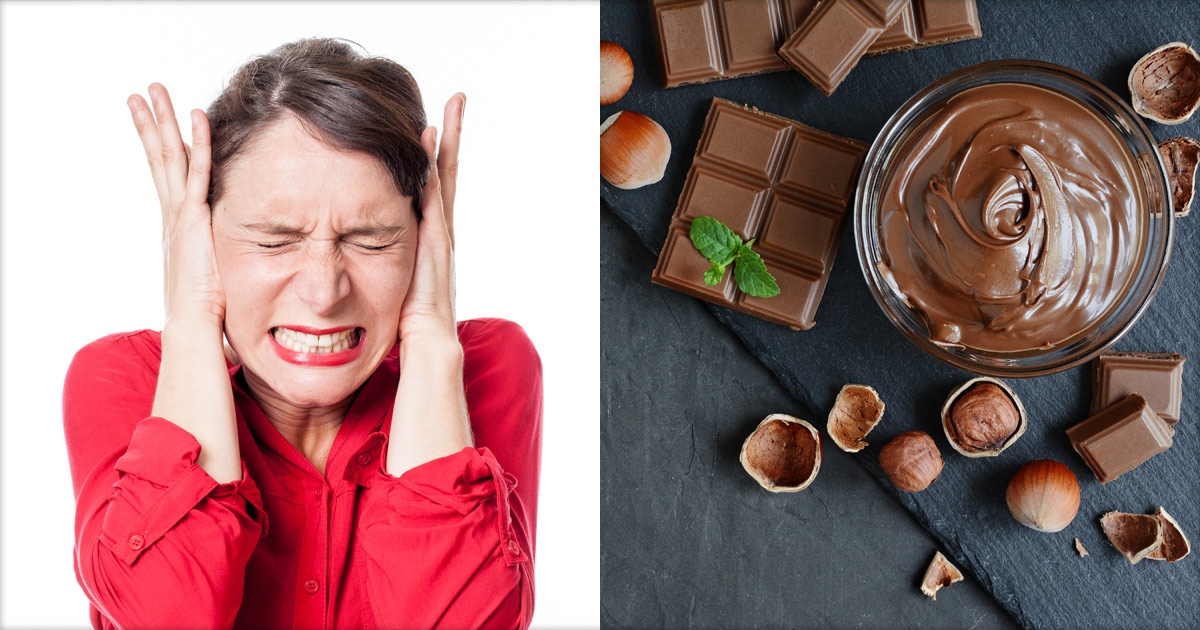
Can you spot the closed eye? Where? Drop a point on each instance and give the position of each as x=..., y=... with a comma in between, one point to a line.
x=372, y=248
x=274, y=245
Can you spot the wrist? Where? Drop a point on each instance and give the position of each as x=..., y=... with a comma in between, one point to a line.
x=431, y=352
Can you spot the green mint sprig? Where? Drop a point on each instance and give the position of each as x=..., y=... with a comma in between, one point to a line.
x=722, y=247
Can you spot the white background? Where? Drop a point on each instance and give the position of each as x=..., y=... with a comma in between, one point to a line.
x=82, y=258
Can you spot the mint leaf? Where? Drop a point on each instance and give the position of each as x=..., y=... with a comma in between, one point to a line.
x=714, y=275
x=716, y=242
x=752, y=275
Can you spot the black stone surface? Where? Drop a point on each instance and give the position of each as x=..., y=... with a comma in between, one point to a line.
x=747, y=575
x=688, y=539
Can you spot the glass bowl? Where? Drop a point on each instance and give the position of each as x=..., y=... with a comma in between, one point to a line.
x=1146, y=271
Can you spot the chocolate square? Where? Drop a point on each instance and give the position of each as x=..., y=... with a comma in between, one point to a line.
x=1157, y=376
x=1120, y=438
x=774, y=180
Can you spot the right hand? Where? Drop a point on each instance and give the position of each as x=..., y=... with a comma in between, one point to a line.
x=192, y=286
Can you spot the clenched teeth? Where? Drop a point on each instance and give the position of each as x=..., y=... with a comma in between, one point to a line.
x=315, y=344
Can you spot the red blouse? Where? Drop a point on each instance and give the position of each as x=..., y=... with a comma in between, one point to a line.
x=160, y=544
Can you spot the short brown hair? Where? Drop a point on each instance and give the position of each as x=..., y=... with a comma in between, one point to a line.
x=346, y=99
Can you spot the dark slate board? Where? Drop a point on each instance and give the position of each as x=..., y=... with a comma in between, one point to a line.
x=1036, y=577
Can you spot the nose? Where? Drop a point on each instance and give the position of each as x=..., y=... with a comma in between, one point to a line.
x=323, y=282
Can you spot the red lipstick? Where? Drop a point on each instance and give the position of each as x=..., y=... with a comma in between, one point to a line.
x=319, y=359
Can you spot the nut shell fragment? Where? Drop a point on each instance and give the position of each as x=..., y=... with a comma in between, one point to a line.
x=982, y=417
x=856, y=411
x=1136, y=536
x=1164, y=85
x=1175, y=545
x=911, y=460
x=1079, y=548
x=1179, y=156
x=783, y=454
x=939, y=574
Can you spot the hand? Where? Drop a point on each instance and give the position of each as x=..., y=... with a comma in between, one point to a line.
x=192, y=286
x=428, y=310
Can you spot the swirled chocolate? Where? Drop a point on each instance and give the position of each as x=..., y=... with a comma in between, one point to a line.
x=1012, y=219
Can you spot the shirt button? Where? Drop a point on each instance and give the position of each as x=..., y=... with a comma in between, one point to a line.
x=311, y=586
x=364, y=459
x=514, y=548
x=136, y=542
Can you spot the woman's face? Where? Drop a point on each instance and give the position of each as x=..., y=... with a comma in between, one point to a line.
x=315, y=250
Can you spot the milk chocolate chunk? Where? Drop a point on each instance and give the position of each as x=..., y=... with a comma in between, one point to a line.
x=780, y=182
x=835, y=36
x=704, y=40
x=926, y=23
x=1120, y=438
x=1157, y=376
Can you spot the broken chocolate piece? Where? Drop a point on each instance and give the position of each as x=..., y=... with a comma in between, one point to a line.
x=1120, y=438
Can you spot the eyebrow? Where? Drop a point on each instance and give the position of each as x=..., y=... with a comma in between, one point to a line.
x=283, y=229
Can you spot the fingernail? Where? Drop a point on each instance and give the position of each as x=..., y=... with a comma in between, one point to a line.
x=133, y=104
x=195, y=118
x=462, y=110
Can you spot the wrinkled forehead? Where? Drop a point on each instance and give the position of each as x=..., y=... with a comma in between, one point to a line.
x=286, y=172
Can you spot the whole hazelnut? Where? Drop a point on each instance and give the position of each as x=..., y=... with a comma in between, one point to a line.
x=911, y=460
x=982, y=417
x=634, y=150
x=616, y=72
x=1043, y=495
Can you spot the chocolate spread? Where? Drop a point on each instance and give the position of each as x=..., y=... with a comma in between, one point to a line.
x=1012, y=219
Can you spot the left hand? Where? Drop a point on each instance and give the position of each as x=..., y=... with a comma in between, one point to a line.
x=427, y=315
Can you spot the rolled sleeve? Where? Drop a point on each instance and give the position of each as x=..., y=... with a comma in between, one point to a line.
x=475, y=567
x=159, y=483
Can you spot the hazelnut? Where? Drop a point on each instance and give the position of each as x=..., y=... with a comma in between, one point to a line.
x=1179, y=156
x=1174, y=545
x=634, y=150
x=982, y=417
x=783, y=454
x=1044, y=495
x=939, y=574
x=911, y=460
x=616, y=72
x=1165, y=83
x=856, y=411
x=1136, y=536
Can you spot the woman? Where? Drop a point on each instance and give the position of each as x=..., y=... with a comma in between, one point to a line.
x=352, y=459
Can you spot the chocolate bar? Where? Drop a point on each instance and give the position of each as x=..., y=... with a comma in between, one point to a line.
x=775, y=180
x=1120, y=438
x=703, y=40
x=835, y=36
x=924, y=23
x=707, y=40
x=1158, y=377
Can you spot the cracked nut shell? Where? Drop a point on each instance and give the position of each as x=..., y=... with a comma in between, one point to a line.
x=783, y=454
x=982, y=417
x=856, y=411
x=1164, y=85
x=1179, y=156
x=1174, y=545
x=1044, y=495
x=911, y=460
x=1136, y=536
x=939, y=575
